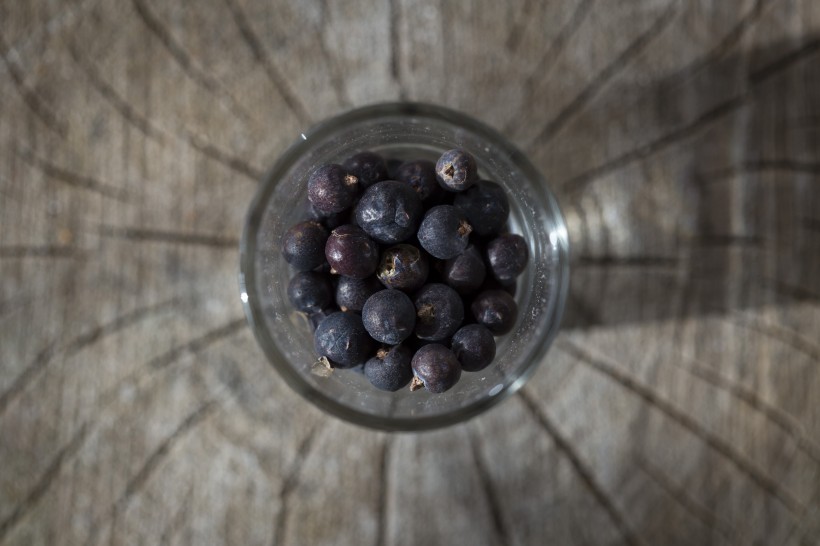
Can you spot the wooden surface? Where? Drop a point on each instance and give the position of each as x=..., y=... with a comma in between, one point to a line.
x=680, y=404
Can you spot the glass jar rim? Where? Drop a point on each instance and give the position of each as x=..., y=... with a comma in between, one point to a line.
x=247, y=282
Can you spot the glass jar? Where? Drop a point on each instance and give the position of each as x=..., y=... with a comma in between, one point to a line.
x=403, y=131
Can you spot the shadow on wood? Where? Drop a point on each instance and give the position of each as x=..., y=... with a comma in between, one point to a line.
x=713, y=207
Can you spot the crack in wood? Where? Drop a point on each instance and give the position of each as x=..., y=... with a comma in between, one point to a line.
x=583, y=472
x=272, y=71
x=606, y=261
x=780, y=418
x=185, y=61
x=494, y=502
x=291, y=481
x=719, y=445
x=785, y=61
x=337, y=79
x=790, y=337
x=582, y=99
x=395, y=49
x=383, y=501
x=30, y=97
x=148, y=128
x=143, y=235
x=42, y=486
x=72, y=179
x=152, y=462
x=77, y=344
x=550, y=54
x=197, y=344
x=577, y=183
x=45, y=251
x=759, y=166
x=691, y=505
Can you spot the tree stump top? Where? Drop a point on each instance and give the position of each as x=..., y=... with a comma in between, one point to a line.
x=679, y=404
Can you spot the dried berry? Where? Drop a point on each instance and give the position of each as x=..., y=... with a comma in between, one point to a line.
x=309, y=291
x=342, y=339
x=352, y=293
x=350, y=252
x=439, y=312
x=403, y=267
x=332, y=189
x=390, y=369
x=389, y=316
x=389, y=211
x=456, y=170
x=436, y=368
x=466, y=272
x=507, y=256
x=496, y=310
x=486, y=207
x=474, y=347
x=303, y=245
x=368, y=167
x=444, y=232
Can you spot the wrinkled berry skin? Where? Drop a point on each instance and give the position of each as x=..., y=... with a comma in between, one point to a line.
x=390, y=369
x=303, y=245
x=456, y=170
x=352, y=293
x=507, y=256
x=474, y=347
x=309, y=291
x=496, y=310
x=421, y=176
x=389, y=316
x=437, y=367
x=403, y=267
x=368, y=167
x=332, y=189
x=444, y=232
x=439, y=312
x=486, y=207
x=342, y=338
x=350, y=252
x=389, y=211
x=466, y=272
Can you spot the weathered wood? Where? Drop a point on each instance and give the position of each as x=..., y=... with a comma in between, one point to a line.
x=678, y=406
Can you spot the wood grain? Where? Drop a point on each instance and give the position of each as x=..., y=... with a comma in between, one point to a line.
x=678, y=406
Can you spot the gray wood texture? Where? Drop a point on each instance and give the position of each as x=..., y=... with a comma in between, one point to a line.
x=680, y=404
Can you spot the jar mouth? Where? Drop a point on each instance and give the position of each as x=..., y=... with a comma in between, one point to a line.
x=249, y=248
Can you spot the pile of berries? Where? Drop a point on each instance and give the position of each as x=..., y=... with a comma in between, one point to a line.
x=407, y=273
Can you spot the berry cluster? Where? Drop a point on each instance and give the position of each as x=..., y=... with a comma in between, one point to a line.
x=407, y=273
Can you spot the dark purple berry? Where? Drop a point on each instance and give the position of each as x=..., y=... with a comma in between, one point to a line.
x=342, y=339
x=444, y=232
x=507, y=256
x=421, y=176
x=332, y=189
x=465, y=272
x=436, y=368
x=368, y=167
x=303, y=245
x=439, y=312
x=403, y=267
x=350, y=252
x=474, y=347
x=456, y=170
x=389, y=211
x=390, y=369
x=309, y=291
x=496, y=310
x=486, y=207
x=352, y=293
x=389, y=316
